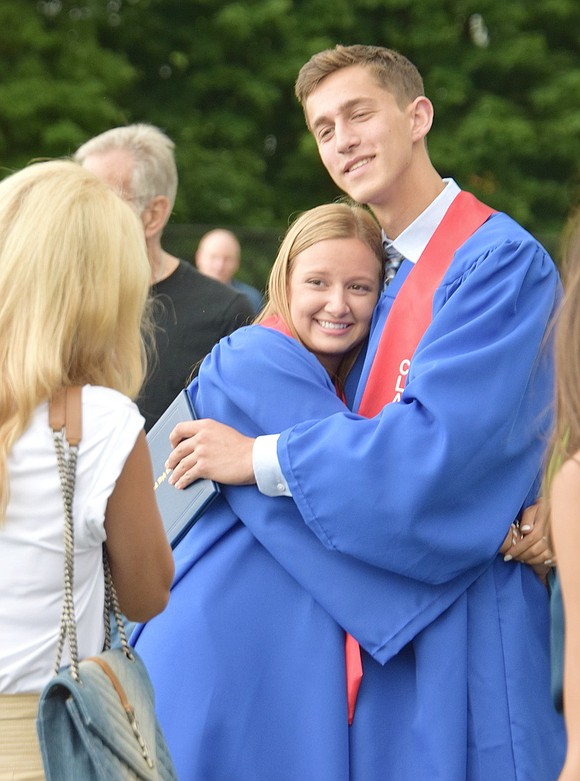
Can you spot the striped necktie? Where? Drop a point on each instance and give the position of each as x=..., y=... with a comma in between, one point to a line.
x=394, y=260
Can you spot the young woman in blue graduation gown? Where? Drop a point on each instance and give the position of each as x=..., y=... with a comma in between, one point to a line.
x=248, y=667
x=248, y=660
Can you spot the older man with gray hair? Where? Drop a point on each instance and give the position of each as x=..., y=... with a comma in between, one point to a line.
x=192, y=311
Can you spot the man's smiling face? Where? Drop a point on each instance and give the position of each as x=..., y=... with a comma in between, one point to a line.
x=364, y=137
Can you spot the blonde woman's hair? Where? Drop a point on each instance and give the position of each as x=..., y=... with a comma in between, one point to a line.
x=392, y=71
x=339, y=220
x=74, y=281
x=566, y=435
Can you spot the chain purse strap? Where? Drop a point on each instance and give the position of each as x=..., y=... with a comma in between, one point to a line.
x=65, y=420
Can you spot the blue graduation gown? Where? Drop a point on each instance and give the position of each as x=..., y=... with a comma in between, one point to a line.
x=248, y=658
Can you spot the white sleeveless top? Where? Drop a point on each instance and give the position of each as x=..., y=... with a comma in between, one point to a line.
x=32, y=542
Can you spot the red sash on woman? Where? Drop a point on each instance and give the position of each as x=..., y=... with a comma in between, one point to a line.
x=276, y=323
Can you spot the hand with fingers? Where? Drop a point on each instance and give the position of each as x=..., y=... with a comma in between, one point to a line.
x=529, y=540
x=206, y=448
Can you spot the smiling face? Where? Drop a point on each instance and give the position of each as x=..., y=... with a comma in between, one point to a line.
x=333, y=288
x=371, y=146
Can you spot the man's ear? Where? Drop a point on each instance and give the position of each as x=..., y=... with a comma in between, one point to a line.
x=422, y=117
x=155, y=215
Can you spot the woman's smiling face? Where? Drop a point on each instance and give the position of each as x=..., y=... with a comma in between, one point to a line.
x=333, y=289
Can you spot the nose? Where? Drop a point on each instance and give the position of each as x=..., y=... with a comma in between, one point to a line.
x=336, y=304
x=346, y=137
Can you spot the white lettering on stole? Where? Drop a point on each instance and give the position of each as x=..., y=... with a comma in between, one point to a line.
x=402, y=378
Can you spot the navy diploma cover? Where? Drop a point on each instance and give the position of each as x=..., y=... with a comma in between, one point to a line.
x=179, y=508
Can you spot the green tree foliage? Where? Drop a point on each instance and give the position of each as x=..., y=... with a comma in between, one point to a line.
x=218, y=76
x=58, y=83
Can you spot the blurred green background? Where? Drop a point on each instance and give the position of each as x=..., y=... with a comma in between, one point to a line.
x=218, y=77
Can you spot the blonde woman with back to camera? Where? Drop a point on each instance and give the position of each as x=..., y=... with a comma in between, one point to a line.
x=74, y=280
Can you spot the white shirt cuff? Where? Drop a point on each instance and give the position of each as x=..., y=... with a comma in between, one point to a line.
x=269, y=477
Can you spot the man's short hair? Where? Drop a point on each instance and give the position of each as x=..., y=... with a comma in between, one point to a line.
x=392, y=70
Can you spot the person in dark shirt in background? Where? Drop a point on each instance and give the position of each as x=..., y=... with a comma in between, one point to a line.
x=192, y=312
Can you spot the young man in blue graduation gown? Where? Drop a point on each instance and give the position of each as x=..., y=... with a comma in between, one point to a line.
x=425, y=489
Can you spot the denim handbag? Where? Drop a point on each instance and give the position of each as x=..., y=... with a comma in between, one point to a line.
x=96, y=718
x=99, y=728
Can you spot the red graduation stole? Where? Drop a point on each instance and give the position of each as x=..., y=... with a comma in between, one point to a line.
x=412, y=309
x=406, y=323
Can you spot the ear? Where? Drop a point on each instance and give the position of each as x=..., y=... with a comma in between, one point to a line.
x=155, y=215
x=421, y=117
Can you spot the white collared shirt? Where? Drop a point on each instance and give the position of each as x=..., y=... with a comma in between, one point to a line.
x=412, y=241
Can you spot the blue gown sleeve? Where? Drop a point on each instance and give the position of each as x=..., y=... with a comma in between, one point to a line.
x=428, y=487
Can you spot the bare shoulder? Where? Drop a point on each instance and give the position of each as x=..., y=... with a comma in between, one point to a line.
x=567, y=479
x=565, y=492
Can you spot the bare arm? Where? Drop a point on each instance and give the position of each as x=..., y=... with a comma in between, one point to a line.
x=566, y=533
x=140, y=556
x=206, y=448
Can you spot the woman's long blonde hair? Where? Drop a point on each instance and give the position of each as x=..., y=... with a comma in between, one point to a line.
x=340, y=220
x=566, y=434
x=74, y=281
